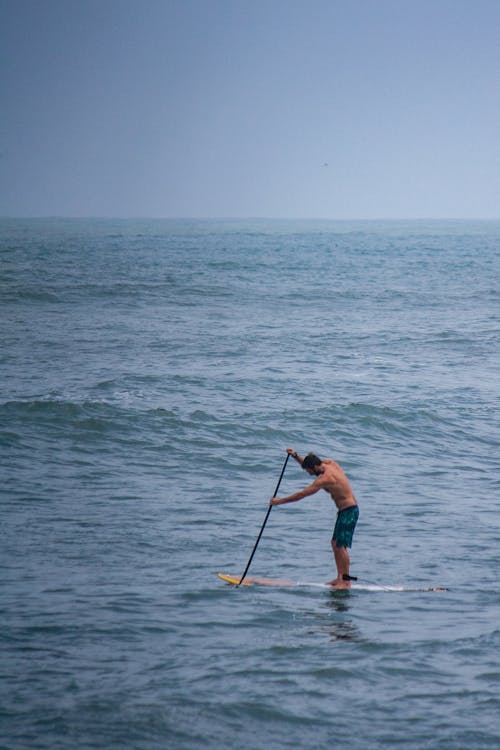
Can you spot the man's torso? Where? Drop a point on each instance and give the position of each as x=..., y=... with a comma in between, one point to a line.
x=335, y=482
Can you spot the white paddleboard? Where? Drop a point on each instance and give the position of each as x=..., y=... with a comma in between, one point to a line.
x=283, y=582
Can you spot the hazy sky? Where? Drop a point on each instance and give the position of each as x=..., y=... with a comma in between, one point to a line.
x=236, y=108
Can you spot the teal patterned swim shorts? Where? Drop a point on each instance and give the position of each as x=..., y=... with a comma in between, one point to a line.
x=345, y=525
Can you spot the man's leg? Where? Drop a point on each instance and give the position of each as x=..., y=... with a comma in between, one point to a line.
x=342, y=561
x=336, y=580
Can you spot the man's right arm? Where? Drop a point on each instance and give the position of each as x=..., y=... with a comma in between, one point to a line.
x=310, y=490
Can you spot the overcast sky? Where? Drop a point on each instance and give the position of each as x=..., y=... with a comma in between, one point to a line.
x=247, y=108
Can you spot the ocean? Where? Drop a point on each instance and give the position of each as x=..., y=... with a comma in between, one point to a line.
x=153, y=373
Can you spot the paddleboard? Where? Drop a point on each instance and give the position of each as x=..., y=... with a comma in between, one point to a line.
x=282, y=582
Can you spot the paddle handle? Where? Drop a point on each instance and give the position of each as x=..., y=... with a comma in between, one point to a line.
x=265, y=521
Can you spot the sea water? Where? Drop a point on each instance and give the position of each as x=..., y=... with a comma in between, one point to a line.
x=153, y=374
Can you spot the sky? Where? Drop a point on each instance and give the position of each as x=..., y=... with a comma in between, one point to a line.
x=340, y=109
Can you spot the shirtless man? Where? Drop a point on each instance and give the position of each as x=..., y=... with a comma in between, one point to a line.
x=332, y=479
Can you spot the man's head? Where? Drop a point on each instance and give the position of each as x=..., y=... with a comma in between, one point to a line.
x=311, y=464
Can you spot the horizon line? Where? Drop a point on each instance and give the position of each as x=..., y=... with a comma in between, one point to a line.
x=103, y=217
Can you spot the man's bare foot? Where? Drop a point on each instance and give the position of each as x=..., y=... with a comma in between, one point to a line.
x=339, y=584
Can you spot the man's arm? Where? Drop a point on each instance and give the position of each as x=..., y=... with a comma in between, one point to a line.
x=293, y=453
x=310, y=490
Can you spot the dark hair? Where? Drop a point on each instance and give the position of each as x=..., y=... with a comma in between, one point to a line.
x=311, y=461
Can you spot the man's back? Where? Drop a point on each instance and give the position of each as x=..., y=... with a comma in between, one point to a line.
x=334, y=481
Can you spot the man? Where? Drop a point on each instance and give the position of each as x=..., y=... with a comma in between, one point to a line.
x=332, y=479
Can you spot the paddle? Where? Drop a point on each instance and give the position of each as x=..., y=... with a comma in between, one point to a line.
x=265, y=520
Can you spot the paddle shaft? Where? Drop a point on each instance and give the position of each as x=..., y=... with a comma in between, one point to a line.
x=265, y=521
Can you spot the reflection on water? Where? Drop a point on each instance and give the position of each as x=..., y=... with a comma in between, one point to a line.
x=335, y=621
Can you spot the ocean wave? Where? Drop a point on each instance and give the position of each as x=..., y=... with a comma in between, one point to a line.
x=89, y=421
x=26, y=294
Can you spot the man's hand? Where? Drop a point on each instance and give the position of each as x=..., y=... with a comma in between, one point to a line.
x=291, y=451
x=274, y=501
